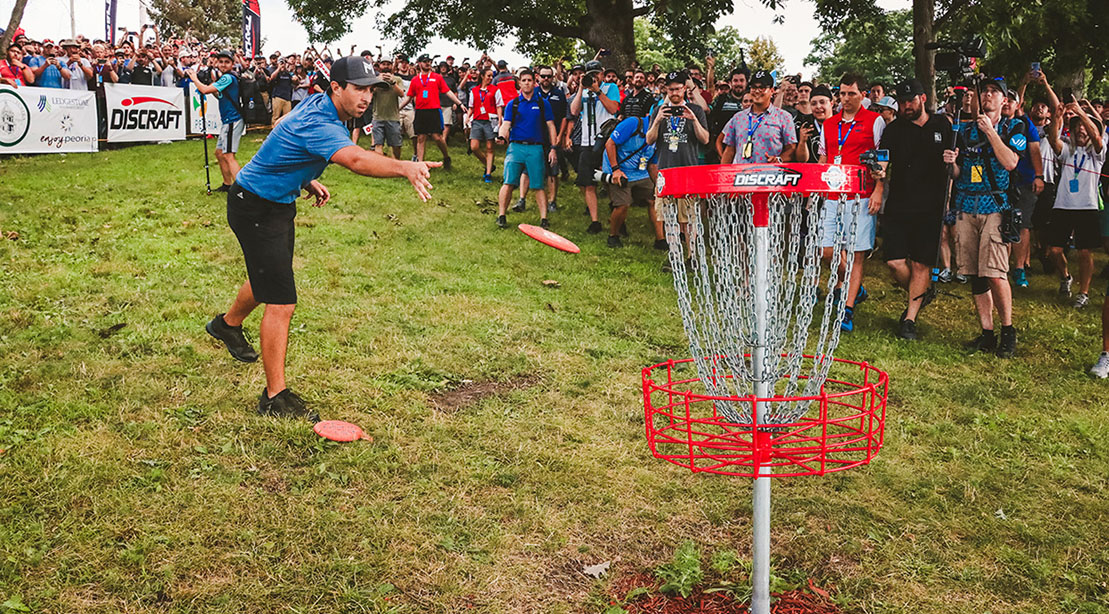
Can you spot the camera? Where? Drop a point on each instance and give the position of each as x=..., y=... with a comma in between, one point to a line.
x=607, y=178
x=587, y=81
x=955, y=57
x=873, y=157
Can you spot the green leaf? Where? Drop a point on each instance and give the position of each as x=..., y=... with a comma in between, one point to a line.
x=14, y=604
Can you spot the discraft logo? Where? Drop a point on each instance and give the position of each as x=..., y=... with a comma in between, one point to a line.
x=15, y=119
x=834, y=177
x=774, y=177
x=145, y=113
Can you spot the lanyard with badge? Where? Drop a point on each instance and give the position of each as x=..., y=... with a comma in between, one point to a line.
x=976, y=169
x=674, y=132
x=1077, y=169
x=841, y=139
x=426, y=79
x=749, y=146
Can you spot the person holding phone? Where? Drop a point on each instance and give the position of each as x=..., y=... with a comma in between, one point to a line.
x=915, y=177
x=763, y=133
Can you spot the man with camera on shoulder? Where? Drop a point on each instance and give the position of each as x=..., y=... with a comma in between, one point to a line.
x=625, y=168
x=986, y=149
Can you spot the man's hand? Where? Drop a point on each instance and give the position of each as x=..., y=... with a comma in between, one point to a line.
x=874, y=204
x=618, y=177
x=419, y=175
x=985, y=124
x=710, y=62
x=552, y=156
x=1037, y=185
x=805, y=133
x=317, y=189
x=950, y=155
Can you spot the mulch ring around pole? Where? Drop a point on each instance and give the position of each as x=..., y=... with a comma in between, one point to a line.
x=811, y=600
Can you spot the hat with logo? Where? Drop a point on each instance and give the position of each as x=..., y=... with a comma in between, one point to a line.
x=887, y=102
x=593, y=66
x=355, y=70
x=997, y=82
x=762, y=77
x=676, y=77
x=909, y=88
x=423, y=58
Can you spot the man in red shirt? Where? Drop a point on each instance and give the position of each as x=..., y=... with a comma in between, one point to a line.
x=848, y=134
x=13, y=71
x=424, y=90
x=482, y=113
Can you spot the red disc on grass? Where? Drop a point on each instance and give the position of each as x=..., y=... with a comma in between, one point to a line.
x=549, y=238
x=337, y=430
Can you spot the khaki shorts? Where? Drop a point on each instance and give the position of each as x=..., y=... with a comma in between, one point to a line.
x=407, y=122
x=637, y=192
x=684, y=205
x=448, y=116
x=978, y=245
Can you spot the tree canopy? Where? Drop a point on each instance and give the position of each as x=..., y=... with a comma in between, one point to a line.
x=211, y=21
x=879, y=47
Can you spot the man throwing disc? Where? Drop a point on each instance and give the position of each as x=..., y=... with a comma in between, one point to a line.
x=261, y=205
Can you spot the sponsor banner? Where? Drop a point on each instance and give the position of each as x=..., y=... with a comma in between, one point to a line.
x=322, y=67
x=144, y=113
x=47, y=120
x=211, y=110
x=252, y=28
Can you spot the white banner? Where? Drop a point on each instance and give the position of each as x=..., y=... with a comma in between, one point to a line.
x=144, y=113
x=211, y=110
x=46, y=120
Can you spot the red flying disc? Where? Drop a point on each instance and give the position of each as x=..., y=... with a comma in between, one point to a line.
x=337, y=430
x=549, y=238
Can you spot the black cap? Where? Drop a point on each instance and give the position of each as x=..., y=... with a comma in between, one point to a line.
x=676, y=77
x=593, y=66
x=502, y=64
x=762, y=77
x=366, y=52
x=224, y=53
x=576, y=67
x=909, y=88
x=355, y=70
x=998, y=82
x=424, y=58
x=821, y=90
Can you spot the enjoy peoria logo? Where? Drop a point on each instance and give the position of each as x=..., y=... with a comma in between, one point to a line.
x=15, y=118
x=767, y=176
x=145, y=113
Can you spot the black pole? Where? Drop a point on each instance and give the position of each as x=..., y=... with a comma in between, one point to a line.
x=204, y=122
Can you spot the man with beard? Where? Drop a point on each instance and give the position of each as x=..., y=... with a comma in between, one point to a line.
x=638, y=101
x=916, y=178
x=425, y=90
x=724, y=107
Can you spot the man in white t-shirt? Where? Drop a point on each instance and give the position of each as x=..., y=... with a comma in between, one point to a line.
x=80, y=68
x=1076, y=208
x=594, y=103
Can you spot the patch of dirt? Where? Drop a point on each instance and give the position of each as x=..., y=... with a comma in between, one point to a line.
x=469, y=392
x=811, y=600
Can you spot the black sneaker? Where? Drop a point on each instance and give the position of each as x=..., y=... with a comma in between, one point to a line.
x=908, y=330
x=233, y=338
x=986, y=342
x=447, y=163
x=502, y=221
x=520, y=206
x=661, y=245
x=222, y=188
x=594, y=228
x=614, y=241
x=1008, y=345
x=286, y=404
x=552, y=206
x=544, y=223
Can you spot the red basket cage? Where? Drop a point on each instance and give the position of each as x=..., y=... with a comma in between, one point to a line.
x=845, y=430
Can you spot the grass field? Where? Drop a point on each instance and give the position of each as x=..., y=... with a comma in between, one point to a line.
x=135, y=476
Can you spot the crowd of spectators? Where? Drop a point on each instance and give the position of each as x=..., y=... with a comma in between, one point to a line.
x=611, y=131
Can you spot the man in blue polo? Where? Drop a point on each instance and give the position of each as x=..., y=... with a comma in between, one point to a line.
x=226, y=88
x=528, y=124
x=261, y=206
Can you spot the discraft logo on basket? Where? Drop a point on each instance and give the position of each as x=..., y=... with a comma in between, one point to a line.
x=15, y=119
x=146, y=113
x=767, y=177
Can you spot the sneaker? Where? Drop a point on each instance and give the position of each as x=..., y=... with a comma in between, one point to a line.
x=233, y=338
x=487, y=178
x=959, y=277
x=222, y=188
x=907, y=330
x=861, y=296
x=1081, y=300
x=552, y=206
x=614, y=241
x=986, y=342
x=447, y=163
x=944, y=277
x=520, y=206
x=415, y=159
x=1008, y=345
x=1101, y=369
x=1064, y=287
x=285, y=404
x=848, y=320
x=1020, y=278
x=666, y=268
x=502, y=221
x=594, y=228
x=661, y=245
x=543, y=223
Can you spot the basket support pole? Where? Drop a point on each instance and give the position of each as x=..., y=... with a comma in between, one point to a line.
x=760, y=576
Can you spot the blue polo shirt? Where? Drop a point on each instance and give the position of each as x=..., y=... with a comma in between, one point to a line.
x=630, y=137
x=529, y=119
x=1024, y=170
x=297, y=151
x=227, y=89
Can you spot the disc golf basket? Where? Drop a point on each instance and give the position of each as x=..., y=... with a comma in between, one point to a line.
x=762, y=395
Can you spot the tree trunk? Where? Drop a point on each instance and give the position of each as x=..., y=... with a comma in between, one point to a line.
x=13, y=23
x=924, y=13
x=610, y=25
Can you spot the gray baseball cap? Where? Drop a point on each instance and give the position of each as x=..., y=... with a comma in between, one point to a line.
x=355, y=70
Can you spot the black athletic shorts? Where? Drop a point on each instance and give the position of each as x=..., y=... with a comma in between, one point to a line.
x=914, y=235
x=428, y=121
x=588, y=164
x=265, y=232
x=1045, y=202
x=1084, y=223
